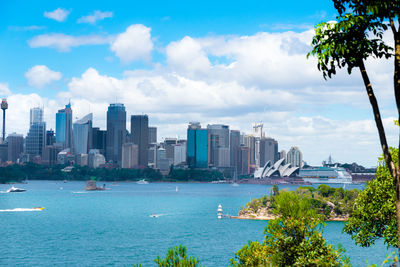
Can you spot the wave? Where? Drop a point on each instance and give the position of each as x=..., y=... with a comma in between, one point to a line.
x=79, y=192
x=20, y=209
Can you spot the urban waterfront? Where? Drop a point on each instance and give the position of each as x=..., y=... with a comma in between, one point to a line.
x=116, y=226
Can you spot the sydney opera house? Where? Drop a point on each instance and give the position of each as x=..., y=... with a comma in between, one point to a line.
x=278, y=170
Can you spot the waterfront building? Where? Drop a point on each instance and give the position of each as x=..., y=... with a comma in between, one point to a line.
x=250, y=142
x=219, y=145
x=295, y=157
x=36, y=139
x=3, y=152
x=179, y=153
x=95, y=159
x=50, y=155
x=267, y=149
x=15, y=148
x=243, y=155
x=99, y=139
x=81, y=159
x=163, y=163
x=50, y=138
x=116, y=132
x=83, y=134
x=65, y=157
x=234, y=144
x=197, y=146
x=130, y=156
x=140, y=137
x=152, y=135
x=64, y=127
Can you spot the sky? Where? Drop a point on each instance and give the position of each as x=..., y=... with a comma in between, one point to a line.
x=216, y=62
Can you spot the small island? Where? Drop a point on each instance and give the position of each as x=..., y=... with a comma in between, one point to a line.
x=334, y=204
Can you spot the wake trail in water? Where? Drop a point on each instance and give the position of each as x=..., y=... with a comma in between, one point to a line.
x=79, y=192
x=19, y=209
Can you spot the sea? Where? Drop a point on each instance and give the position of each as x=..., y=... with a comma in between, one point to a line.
x=133, y=223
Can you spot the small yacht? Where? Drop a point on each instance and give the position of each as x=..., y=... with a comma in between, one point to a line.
x=143, y=181
x=15, y=190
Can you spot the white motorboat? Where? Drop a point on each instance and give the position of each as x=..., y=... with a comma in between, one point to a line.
x=15, y=190
x=143, y=181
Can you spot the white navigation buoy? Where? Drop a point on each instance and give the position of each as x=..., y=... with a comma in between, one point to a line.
x=219, y=211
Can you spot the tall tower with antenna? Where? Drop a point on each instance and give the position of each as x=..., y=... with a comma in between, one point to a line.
x=4, y=106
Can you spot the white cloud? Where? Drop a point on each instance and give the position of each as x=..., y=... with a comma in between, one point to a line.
x=41, y=75
x=59, y=14
x=133, y=44
x=64, y=43
x=4, y=90
x=97, y=15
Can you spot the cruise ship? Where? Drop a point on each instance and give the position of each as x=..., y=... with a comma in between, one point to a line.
x=326, y=175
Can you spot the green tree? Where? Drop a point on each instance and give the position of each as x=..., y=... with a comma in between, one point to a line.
x=355, y=36
x=292, y=239
x=374, y=215
x=177, y=257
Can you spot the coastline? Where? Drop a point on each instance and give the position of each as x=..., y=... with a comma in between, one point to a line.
x=272, y=217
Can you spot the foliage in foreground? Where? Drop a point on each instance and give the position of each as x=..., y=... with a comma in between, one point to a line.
x=177, y=257
x=294, y=238
x=374, y=216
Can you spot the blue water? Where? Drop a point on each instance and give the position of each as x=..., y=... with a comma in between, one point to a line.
x=115, y=227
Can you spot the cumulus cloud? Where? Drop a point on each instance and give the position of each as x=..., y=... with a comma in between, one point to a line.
x=40, y=75
x=4, y=90
x=96, y=16
x=59, y=14
x=133, y=44
x=64, y=43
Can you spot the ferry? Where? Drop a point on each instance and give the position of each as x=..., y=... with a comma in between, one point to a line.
x=326, y=175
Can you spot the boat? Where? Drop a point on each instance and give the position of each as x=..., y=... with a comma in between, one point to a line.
x=143, y=181
x=92, y=186
x=15, y=190
x=326, y=175
x=38, y=208
x=154, y=215
x=176, y=189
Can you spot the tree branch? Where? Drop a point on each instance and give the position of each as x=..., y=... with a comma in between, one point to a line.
x=392, y=25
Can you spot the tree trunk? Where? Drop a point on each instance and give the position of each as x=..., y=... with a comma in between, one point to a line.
x=396, y=77
x=382, y=136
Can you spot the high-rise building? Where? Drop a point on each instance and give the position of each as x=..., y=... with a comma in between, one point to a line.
x=99, y=139
x=258, y=130
x=130, y=156
x=50, y=155
x=116, y=132
x=282, y=154
x=36, y=115
x=179, y=153
x=268, y=150
x=234, y=145
x=294, y=157
x=64, y=127
x=15, y=146
x=36, y=139
x=169, y=144
x=50, y=138
x=140, y=137
x=95, y=159
x=219, y=145
x=83, y=134
x=250, y=142
x=243, y=167
x=197, y=146
x=152, y=135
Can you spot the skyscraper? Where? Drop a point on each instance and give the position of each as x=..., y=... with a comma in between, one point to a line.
x=234, y=144
x=15, y=146
x=219, y=145
x=268, y=150
x=197, y=146
x=36, y=139
x=130, y=153
x=116, y=132
x=294, y=157
x=36, y=115
x=64, y=127
x=152, y=135
x=83, y=134
x=140, y=137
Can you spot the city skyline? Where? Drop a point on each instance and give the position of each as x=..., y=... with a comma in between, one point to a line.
x=181, y=71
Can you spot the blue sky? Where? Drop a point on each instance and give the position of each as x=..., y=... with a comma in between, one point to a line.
x=231, y=62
